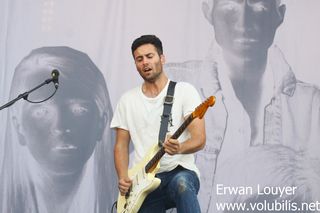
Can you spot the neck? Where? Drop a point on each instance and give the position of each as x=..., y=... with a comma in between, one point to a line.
x=152, y=89
x=58, y=190
x=246, y=69
x=246, y=76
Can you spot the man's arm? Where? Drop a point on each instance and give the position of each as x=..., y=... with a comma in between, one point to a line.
x=195, y=143
x=121, y=159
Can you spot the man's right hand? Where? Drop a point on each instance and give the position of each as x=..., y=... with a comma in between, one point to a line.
x=124, y=185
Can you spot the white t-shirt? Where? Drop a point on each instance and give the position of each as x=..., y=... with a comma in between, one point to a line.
x=141, y=116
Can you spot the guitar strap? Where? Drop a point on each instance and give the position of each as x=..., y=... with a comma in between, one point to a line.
x=166, y=115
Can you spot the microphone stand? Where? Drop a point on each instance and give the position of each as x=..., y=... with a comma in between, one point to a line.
x=25, y=95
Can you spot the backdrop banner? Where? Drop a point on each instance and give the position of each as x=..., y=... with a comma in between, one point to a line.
x=260, y=59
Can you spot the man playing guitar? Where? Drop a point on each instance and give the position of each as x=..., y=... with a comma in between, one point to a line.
x=137, y=118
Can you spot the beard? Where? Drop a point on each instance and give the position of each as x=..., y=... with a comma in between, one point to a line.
x=152, y=78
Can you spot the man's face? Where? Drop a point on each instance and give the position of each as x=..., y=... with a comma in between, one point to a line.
x=245, y=27
x=61, y=133
x=148, y=62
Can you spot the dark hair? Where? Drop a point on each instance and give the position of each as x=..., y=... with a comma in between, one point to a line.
x=147, y=39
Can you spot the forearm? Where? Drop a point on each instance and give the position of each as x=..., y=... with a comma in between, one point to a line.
x=197, y=138
x=192, y=145
x=121, y=160
x=121, y=152
x=195, y=143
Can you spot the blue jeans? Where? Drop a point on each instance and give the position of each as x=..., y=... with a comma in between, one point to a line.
x=178, y=188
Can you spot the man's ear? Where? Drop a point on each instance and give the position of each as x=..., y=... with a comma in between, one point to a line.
x=282, y=11
x=17, y=129
x=207, y=12
x=163, y=59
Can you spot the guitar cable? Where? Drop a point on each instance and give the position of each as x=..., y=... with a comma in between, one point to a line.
x=114, y=205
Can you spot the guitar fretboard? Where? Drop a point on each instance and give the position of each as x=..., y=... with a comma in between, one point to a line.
x=161, y=151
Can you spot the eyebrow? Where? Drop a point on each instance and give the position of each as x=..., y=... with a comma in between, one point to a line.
x=147, y=54
x=78, y=100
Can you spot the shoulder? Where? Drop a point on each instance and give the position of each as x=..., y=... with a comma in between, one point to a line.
x=190, y=69
x=308, y=90
x=184, y=85
x=183, y=88
x=187, y=93
x=203, y=75
x=126, y=99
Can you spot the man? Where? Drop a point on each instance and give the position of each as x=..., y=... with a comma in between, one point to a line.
x=137, y=118
x=259, y=100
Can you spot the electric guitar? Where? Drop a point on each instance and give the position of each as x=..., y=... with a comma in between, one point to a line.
x=143, y=174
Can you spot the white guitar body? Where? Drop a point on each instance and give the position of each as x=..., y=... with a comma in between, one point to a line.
x=142, y=184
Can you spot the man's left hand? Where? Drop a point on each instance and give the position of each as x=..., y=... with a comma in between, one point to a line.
x=172, y=146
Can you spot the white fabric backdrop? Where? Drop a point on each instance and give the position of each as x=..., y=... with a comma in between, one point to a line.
x=104, y=29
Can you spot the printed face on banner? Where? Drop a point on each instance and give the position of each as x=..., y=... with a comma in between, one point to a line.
x=61, y=133
x=59, y=150
x=148, y=62
x=246, y=27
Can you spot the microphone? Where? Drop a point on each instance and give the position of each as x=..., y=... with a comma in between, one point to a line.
x=55, y=78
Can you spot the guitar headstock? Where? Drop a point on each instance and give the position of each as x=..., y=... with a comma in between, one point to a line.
x=202, y=108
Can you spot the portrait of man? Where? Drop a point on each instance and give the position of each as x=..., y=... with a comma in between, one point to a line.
x=259, y=99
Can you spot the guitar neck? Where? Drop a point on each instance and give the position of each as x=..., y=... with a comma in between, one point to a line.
x=161, y=151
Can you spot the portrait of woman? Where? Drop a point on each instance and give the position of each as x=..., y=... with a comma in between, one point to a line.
x=58, y=153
